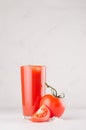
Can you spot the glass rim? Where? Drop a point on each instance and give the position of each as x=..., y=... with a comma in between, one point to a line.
x=30, y=65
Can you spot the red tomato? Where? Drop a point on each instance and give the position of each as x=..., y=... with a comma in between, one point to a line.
x=55, y=104
x=42, y=114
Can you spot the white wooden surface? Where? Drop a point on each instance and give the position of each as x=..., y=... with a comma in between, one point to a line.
x=71, y=120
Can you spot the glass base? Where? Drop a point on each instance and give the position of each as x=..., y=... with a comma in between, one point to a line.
x=27, y=117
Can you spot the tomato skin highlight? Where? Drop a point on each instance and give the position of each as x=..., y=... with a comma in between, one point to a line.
x=41, y=115
x=55, y=104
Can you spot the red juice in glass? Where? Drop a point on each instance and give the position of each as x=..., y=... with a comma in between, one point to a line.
x=33, y=87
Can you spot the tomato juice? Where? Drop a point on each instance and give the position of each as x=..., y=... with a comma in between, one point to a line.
x=32, y=87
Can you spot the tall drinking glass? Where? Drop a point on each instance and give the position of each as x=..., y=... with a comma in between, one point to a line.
x=32, y=87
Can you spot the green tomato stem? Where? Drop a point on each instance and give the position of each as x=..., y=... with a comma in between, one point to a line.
x=54, y=91
x=61, y=95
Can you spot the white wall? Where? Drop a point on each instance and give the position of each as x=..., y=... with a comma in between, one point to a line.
x=48, y=32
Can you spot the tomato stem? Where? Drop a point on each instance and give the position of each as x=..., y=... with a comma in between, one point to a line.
x=54, y=91
x=61, y=95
